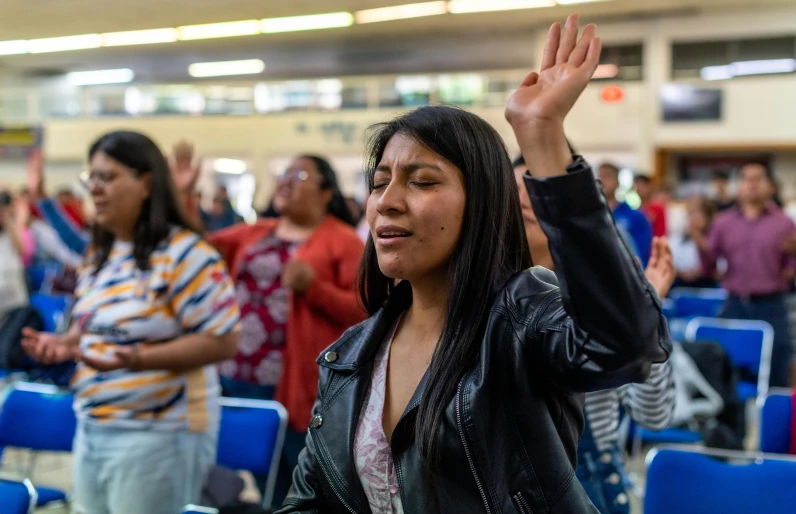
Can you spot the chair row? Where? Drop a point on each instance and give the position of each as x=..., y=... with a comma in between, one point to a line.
x=40, y=417
x=689, y=480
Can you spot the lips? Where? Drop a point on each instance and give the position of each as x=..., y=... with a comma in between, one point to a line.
x=391, y=232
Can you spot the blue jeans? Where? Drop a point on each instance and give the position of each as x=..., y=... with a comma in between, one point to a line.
x=123, y=471
x=240, y=389
x=774, y=310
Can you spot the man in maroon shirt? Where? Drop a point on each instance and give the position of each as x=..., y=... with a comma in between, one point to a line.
x=751, y=237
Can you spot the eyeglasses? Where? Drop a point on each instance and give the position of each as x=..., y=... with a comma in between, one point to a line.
x=97, y=178
x=295, y=175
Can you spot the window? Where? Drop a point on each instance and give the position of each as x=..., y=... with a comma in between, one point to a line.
x=621, y=62
x=714, y=60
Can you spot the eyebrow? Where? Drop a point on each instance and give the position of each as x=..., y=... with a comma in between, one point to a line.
x=410, y=167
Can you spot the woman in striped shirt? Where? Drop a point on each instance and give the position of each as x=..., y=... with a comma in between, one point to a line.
x=154, y=310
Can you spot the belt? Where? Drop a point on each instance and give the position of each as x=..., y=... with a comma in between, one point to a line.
x=758, y=297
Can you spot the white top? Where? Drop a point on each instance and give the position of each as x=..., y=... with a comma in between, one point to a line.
x=13, y=287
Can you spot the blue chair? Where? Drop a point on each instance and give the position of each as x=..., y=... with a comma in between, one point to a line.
x=38, y=417
x=668, y=308
x=692, y=302
x=776, y=416
x=17, y=497
x=687, y=480
x=748, y=345
x=669, y=436
x=51, y=309
x=251, y=438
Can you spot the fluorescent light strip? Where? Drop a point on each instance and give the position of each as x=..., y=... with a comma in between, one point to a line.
x=91, y=78
x=747, y=68
x=17, y=47
x=470, y=6
x=310, y=22
x=63, y=44
x=573, y=2
x=139, y=37
x=401, y=12
x=225, y=68
x=218, y=30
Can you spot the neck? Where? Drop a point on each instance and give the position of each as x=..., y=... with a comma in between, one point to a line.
x=753, y=209
x=125, y=236
x=426, y=315
x=612, y=203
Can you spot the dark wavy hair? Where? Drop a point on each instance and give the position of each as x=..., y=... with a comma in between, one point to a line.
x=491, y=248
x=159, y=213
x=337, y=206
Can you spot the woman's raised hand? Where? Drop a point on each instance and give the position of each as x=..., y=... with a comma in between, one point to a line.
x=536, y=110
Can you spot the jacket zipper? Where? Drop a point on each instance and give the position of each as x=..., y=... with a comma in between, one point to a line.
x=467, y=448
x=525, y=508
x=333, y=483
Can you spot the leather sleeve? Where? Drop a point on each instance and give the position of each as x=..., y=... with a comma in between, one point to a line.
x=305, y=495
x=606, y=327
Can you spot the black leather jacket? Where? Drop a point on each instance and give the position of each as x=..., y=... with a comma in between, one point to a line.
x=511, y=432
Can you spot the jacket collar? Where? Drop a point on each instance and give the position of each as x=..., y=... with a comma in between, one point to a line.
x=358, y=346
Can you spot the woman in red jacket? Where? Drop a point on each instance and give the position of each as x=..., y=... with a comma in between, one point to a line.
x=295, y=278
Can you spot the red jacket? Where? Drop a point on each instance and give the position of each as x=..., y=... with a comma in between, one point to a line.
x=318, y=317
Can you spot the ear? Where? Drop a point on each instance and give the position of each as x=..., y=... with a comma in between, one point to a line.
x=327, y=195
x=146, y=181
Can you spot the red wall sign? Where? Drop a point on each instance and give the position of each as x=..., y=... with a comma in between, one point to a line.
x=612, y=94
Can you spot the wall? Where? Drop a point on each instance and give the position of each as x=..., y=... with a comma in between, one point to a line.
x=756, y=110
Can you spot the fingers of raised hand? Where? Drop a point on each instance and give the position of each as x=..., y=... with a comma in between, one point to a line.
x=530, y=80
x=568, y=39
x=579, y=51
x=551, y=46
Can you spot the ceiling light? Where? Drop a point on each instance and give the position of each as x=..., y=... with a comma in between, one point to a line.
x=139, y=37
x=63, y=44
x=217, y=30
x=468, y=6
x=230, y=166
x=573, y=2
x=19, y=46
x=401, y=12
x=223, y=68
x=715, y=73
x=311, y=22
x=93, y=78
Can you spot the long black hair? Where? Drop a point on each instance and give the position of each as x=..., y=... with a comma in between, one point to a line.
x=337, y=206
x=161, y=211
x=492, y=247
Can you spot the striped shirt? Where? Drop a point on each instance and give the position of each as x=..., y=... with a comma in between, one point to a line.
x=187, y=290
x=650, y=404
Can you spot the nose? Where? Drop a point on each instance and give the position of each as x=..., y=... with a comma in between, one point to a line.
x=392, y=199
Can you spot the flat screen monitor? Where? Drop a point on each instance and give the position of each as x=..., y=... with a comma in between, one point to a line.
x=683, y=102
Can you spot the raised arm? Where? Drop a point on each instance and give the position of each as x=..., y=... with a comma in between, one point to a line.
x=603, y=326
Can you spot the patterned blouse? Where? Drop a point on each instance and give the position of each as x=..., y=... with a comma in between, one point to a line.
x=264, y=305
x=372, y=455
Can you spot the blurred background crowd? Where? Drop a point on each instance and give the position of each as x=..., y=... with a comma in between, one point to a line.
x=261, y=112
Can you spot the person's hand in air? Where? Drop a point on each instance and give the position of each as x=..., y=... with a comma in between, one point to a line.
x=298, y=276
x=660, y=270
x=184, y=167
x=47, y=348
x=122, y=357
x=536, y=110
x=35, y=174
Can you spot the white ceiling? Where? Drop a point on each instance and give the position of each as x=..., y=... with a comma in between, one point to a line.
x=28, y=19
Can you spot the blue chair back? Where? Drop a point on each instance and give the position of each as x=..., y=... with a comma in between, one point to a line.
x=198, y=509
x=251, y=438
x=51, y=309
x=37, y=417
x=17, y=497
x=688, y=481
x=748, y=344
x=776, y=416
x=691, y=302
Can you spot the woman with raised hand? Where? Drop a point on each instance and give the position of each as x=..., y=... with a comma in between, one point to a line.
x=154, y=310
x=459, y=393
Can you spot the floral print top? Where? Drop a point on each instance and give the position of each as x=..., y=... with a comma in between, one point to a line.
x=372, y=455
x=264, y=306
